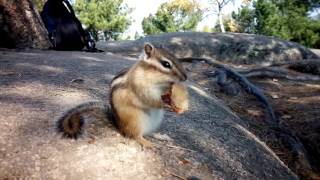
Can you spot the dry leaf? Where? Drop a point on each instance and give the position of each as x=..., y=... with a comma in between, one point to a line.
x=184, y=161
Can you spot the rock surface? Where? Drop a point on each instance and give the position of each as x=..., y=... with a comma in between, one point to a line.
x=228, y=47
x=36, y=87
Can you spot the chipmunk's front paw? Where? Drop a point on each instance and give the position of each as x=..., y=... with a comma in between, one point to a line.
x=178, y=110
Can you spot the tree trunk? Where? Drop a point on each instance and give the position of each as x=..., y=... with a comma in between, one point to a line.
x=21, y=25
x=221, y=22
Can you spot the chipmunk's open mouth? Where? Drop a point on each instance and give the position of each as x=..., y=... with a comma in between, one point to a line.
x=166, y=97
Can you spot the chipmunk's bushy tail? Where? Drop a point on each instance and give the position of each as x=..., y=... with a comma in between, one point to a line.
x=71, y=123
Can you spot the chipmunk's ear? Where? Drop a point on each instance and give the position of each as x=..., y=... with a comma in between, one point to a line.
x=149, y=49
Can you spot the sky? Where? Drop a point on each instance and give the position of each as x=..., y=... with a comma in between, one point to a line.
x=142, y=8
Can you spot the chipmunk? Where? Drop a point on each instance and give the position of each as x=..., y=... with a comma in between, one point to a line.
x=138, y=97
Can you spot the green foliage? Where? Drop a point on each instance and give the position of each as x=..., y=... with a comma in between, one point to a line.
x=109, y=16
x=244, y=20
x=173, y=16
x=206, y=29
x=152, y=25
x=287, y=19
x=266, y=14
x=39, y=4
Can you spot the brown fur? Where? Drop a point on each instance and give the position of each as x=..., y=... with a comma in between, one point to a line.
x=130, y=102
x=71, y=123
x=134, y=92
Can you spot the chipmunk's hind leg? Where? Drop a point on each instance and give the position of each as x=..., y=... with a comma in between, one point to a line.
x=130, y=123
x=144, y=142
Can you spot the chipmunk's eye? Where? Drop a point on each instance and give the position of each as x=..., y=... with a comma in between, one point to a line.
x=166, y=64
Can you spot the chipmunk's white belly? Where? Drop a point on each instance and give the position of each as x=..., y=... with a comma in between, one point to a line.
x=151, y=121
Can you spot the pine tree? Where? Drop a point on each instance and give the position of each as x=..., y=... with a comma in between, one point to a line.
x=287, y=19
x=109, y=16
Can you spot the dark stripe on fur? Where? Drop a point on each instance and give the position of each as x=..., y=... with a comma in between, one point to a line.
x=120, y=74
x=147, y=66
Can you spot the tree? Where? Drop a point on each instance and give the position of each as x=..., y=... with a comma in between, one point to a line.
x=288, y=20
x=244, y=20
x=231, y=25
x=173, y=16
x=109, y=16
x=206, y=29
x=21, y=25
x=153, y=25
x=217, y=6
x=284, y=19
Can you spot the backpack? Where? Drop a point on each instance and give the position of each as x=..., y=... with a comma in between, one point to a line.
x=64, y=28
